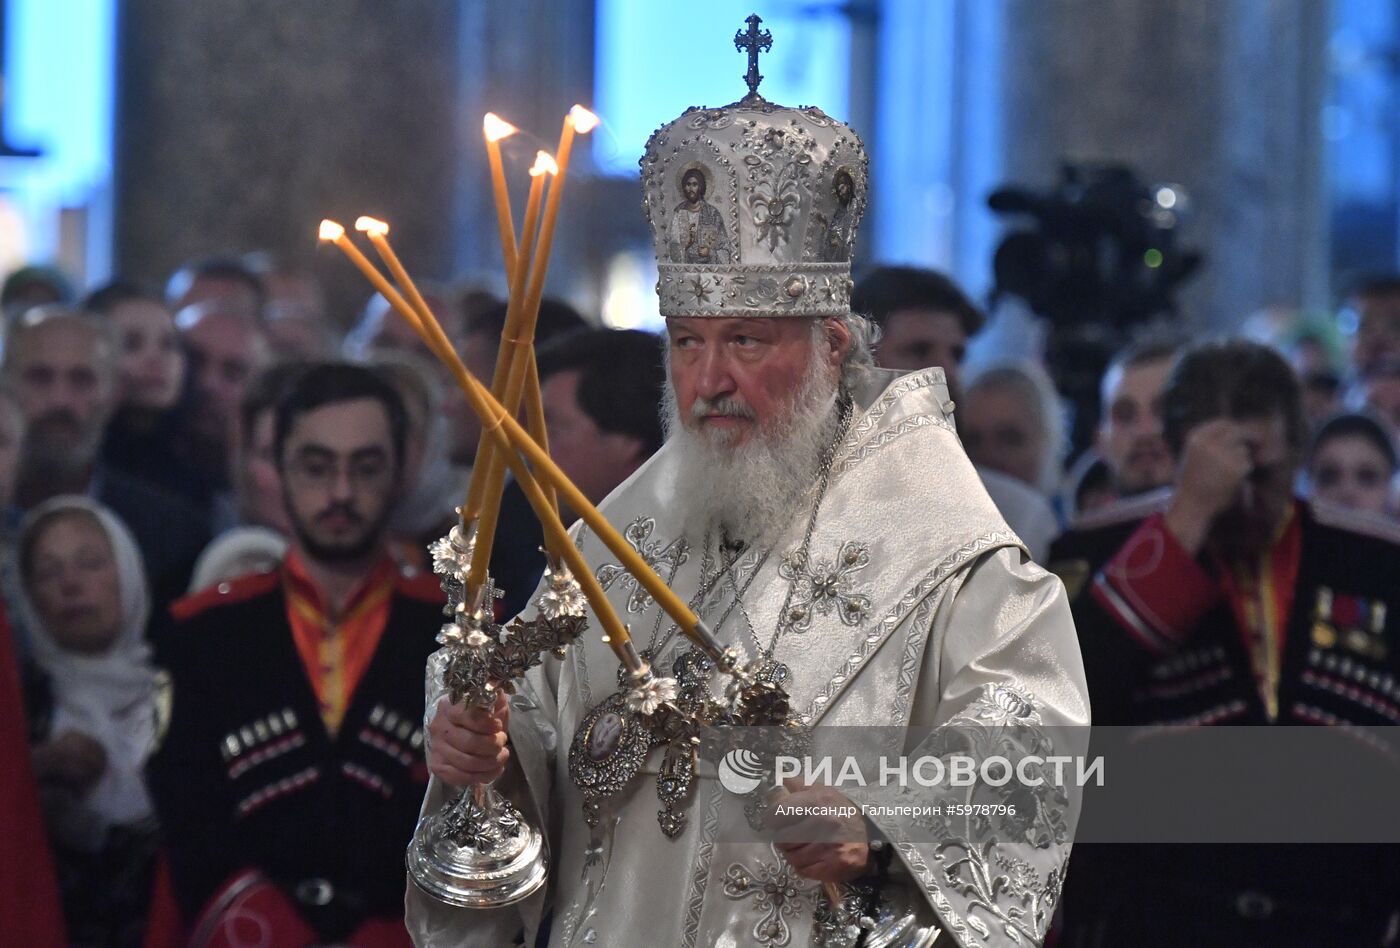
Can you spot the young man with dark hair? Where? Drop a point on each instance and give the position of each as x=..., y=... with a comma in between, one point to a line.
x=1231, y=602
x=602, y=403
x=289, y=781
x=1374, y=324
x=482, y=338
x=109, y=296
x=256, y=495
x=225, y=349
x=602, y=393
x=225, y=280
x=556, y=318
x=1129, y=435
x=925, y=319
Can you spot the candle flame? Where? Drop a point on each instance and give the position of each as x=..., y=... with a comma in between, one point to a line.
x=371, y=225
x=496, y=127
x=330, y=230
x=584, y=120
x=544, y=164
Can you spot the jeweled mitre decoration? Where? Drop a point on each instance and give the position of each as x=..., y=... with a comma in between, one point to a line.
x=753, y=209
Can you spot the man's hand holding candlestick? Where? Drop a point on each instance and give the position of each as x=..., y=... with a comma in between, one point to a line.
x=467, y=744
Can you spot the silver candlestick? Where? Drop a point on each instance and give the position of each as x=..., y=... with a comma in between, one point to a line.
x=478, y=851
x=891, y=922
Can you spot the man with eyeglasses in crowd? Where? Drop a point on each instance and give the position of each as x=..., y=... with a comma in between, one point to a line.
x=290, y=779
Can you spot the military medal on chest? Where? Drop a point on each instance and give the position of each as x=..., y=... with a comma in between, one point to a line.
x=1353, y=623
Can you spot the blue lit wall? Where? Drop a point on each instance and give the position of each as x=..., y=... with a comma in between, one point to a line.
x=59, y=57
x=1361, y=125
x=939, y=145
x=657, y=59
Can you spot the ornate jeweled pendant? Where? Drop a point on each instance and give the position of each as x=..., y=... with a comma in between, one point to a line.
x=607, y=751
x=674, y=784
x=758, y=694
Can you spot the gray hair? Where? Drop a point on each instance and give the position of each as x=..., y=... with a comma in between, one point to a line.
x=860, y=358
x=36, y=318
x=1036, y=389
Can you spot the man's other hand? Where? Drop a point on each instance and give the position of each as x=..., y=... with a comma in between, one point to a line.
x=820, y=832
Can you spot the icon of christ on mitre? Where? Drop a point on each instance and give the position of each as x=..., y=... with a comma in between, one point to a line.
x=821, y=517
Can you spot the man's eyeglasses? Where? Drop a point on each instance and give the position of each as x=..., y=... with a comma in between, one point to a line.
x=364, y=473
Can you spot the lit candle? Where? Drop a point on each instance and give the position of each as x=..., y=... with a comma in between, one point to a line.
x=492, y=417
x=495, y=128
x=578, y=120
x=508, y=434
x=334, y=233
x=487, y=478
x=519, y=333
x=378, y=233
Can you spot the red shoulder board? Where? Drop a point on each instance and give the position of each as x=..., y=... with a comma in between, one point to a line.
x=421, y=585
x=228, y=591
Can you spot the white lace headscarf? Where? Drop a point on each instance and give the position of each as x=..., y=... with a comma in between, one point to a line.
x=110, y=697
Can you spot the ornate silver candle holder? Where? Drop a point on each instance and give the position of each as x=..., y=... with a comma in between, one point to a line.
x=478, y=851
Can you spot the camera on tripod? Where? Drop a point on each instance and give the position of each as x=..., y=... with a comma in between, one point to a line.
x=1098, y=256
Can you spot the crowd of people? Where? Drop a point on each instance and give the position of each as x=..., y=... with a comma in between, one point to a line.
x=214, y=490
x=217, y=480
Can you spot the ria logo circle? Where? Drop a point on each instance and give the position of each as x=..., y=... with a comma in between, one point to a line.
x=741, y=771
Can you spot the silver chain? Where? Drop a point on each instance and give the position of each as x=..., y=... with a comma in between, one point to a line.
x=804, y=551
x=654, y=647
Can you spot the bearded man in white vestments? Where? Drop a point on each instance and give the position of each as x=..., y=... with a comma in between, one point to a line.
x=823, y=519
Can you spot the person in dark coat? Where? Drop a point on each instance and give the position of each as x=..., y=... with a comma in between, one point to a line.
x=290, y=779
x=1225, y=600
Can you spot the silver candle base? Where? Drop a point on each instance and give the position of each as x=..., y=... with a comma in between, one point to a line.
x=477, y=852
x=895, y=924
x=902, y=932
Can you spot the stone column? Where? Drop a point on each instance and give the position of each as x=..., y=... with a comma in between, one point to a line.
x=241, y=125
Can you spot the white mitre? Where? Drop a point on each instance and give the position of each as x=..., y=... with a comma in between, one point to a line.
x=787, y=187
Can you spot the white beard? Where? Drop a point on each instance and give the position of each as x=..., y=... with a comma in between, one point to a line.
x=755, y=491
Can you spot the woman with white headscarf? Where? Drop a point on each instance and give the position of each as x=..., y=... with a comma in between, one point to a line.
x=84, y=598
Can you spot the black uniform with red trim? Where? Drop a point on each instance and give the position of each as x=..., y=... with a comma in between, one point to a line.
x=1165, y=639
x=265, y=812
x=1308, y=636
